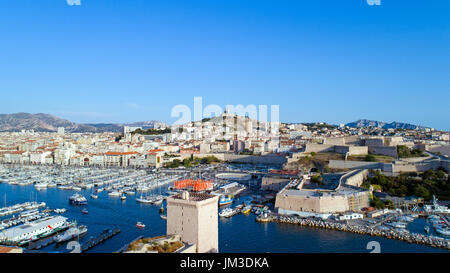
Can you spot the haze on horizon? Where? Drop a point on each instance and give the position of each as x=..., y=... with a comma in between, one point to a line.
x=128, y=61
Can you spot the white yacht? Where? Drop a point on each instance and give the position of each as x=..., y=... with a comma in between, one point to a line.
x=146, y=200
x=226, y=212
x=40, y=186
x=397, y=225
x=114, y=194
x=59, y=210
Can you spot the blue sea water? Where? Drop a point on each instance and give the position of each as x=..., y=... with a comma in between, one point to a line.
x=238, y=234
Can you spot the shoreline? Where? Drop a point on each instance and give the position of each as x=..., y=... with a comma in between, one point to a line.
x=412, y=238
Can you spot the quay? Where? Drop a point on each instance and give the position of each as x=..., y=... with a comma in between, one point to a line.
x=390, y=234
x=125, y=247
x=94, y=241
x=41, y=243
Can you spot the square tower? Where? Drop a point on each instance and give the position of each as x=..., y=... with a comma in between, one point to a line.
x=194, y=216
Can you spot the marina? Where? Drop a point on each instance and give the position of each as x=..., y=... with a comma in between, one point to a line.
x=106, y=212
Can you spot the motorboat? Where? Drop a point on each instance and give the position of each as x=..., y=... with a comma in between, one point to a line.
x=226, y=212
x=94, y=196
x=114, y=194
x=77, y=199
x=84, y=211
x=123, y=197
x=397, y=225
x=140, y=225
x=59, y=210
x=41, y=186
x=247, y=209
x=406, y=218
x=225, y=200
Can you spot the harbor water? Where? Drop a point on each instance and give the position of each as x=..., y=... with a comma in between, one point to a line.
x=240, y=233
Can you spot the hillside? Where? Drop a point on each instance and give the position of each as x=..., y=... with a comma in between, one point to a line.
x=48, y=123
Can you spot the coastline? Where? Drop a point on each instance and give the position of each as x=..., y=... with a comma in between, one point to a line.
x=412, y=238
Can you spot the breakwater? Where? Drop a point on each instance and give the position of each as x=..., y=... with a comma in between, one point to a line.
x=413, y=238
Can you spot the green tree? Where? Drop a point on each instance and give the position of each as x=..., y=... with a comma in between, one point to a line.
x=370, y=158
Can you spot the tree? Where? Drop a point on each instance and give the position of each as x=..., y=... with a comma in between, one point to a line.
x=316, y=179
x=376, y=202
x=421, y=191
x=440, y=174
x=370, y=158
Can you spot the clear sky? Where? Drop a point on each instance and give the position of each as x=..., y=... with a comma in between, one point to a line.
x=127, y=60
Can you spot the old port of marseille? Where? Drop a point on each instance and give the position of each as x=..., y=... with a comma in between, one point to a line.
x=138, y=210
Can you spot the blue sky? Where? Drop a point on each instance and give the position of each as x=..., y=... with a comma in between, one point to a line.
x=129, y=60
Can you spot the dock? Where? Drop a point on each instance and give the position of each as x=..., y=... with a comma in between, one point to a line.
x=94, y=241
x=125, y=247
x=41, y=243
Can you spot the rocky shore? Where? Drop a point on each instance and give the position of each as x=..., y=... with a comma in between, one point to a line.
x=413, y=238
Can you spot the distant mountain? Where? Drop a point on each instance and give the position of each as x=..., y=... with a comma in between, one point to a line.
x=147, y=124
x=48, y=123
x=363, y=123
x=38, y=122
x=105, y=127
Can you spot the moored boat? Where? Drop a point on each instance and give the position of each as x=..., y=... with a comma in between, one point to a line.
x=71, y=233
x=247, y=209
x=77, y=199
x=226, y=212
x=225, y=200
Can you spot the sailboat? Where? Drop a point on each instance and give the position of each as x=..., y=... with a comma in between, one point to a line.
x=145, y=200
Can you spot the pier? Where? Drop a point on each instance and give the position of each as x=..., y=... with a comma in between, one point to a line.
x=390, y=234
x=94, y=241
x=41, y=243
